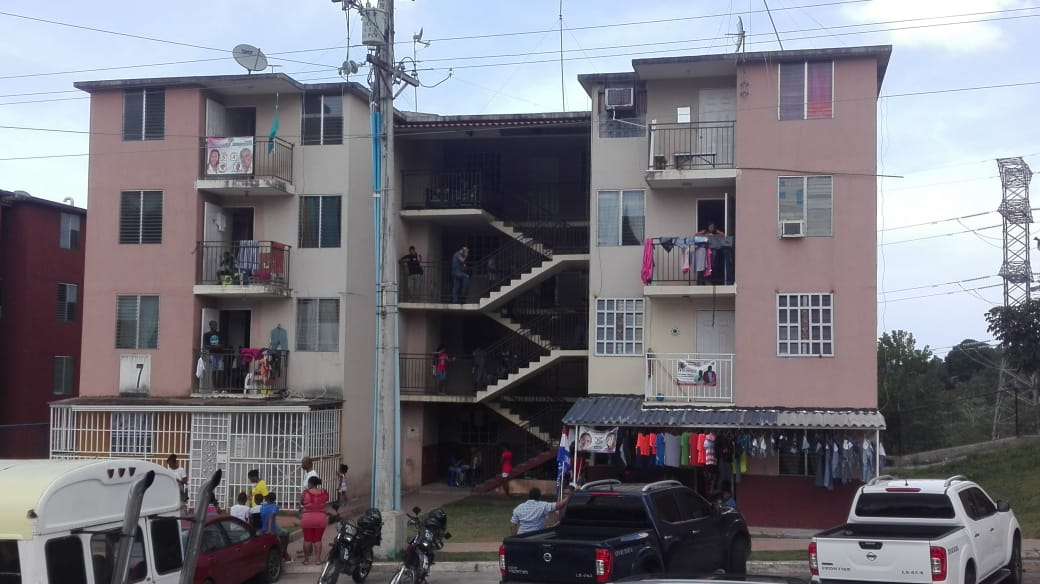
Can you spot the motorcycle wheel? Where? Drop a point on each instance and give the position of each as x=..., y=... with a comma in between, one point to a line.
x=364, y=566
x=404, y=575
x=330, y=573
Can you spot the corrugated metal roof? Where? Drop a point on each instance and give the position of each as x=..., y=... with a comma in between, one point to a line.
x=631, y=410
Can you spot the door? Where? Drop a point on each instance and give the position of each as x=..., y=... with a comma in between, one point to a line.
x=216, y=556
x=241, y=222
x=703, y=529
x=715, y=139
x=241, y=121
x=215, y=240
x=989, y=540
x=715, y=331
x=250, y=555
x=677, y=547
x=216, y=119
x=713, y=211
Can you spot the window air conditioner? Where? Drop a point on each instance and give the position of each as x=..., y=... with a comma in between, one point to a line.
x=792, y=229
x=619, y=98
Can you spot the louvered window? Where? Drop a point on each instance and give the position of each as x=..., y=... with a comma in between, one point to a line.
x=64, y=370
x=322, y=119
x=70, y=226
x=137, y=322
x=806, y=90
x=67, y=300
x=317, y=324
x=140, y=217
x=144, y=114
x=320, y=221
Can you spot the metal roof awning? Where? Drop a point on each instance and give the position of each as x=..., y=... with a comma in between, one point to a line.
x=630, y=410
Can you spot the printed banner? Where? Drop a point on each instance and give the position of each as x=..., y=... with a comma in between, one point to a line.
x=229, y=156
x=593, y=440
x=696, y=372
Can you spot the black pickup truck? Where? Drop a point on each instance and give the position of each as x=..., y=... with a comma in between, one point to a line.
x=609, y=530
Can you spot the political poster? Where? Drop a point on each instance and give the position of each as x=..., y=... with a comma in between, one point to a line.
x=229, y=156
x=594, y=440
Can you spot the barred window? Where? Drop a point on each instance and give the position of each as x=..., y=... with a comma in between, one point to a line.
x=619, y=326
x=804, y=325
x=132, y=433
x=317, y=324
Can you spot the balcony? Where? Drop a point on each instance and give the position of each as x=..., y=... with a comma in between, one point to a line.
x=694, y=378
x=689, y=155
x=243, y=269
x=681, y=267
x=238, y=166
x=248, y=372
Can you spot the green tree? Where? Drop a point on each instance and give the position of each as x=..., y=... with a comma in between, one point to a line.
x=910, y=393
x=968, y=358
x=1018, y=328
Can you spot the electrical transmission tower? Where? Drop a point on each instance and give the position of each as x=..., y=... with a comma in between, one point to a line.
x=1015, y=176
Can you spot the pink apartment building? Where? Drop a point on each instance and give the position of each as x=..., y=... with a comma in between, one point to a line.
x=732, y=273
x=204, y=217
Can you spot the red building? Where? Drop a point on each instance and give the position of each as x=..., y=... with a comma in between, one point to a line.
x=41, y=292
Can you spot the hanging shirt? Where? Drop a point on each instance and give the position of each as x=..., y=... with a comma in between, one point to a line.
x=684, y=449
x=709, y=448
x=660, y=449
x=672, y=451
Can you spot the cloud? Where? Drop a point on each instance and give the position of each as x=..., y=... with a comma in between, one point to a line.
x=968, y=37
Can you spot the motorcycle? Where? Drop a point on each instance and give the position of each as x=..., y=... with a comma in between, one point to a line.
x=430, y=534
x=351, y=551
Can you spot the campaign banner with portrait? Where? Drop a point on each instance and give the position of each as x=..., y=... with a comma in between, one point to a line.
x=593, y=440
x=696, y=372
x=229, y=156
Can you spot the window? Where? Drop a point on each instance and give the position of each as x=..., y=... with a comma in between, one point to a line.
x=64, y=372
x=809, y=199
x=140, y=217
x=692, y=505
x=212, y=538
x=322, y=119
x=10, y=564
x=317, y=324
x=984, y=507
x=103, y=549
x=236, y=532
x=620, y=218
x=137, y=322
x=166, y=544
x=132, y=434
x=666, y=507
x=619, y=326
x=66, y=309
x=69, y=231
x=804, y=325
x=144, y=114
x=806, y=90
x=905, y=505
x=64, y=557
x=320, y=221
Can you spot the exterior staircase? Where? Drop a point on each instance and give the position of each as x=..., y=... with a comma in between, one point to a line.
x=519, y=421
x=519, y=469
x=526, y=371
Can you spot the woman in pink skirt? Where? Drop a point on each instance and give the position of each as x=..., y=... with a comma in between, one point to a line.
x=314, y=520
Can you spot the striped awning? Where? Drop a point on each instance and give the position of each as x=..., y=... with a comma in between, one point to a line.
x=632, y=411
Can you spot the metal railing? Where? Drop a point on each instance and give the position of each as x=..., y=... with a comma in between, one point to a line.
x=559, y=237
x=243, y=263
x=268, y=161
x=691, y=146
x=443, y=189
x=247, y=371
x=679, y=263
x=689, y=378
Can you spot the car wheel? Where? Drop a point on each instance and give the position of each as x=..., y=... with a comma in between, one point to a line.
x=969, y=575
x=273, y=569
x=736, y=562
x=1014, y=565
x=364, y=566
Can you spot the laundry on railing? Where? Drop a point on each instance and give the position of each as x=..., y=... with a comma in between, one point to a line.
x=248, y=254
x=704, y=259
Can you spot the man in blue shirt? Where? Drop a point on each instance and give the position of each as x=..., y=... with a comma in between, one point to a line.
x=459, y=275
x=530, y=515
x=269, y=524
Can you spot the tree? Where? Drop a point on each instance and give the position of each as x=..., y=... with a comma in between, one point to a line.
x=968, y=358
x=1018, y=328
x=911, y=393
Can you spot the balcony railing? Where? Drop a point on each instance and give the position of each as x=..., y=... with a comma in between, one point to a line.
x=677, y=261
x=243, y=263
x=691, y=146
x=247, y=371
x=246, y=157
x=689, y=378
x=417, y=375
x=444, y=189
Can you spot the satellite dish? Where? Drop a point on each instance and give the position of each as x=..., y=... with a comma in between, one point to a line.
x=250, y=57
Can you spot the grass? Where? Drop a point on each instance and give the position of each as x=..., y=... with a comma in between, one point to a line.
x=480, y=518
x=1011, y=474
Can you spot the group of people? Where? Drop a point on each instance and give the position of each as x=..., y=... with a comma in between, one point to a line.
x=413, y=269
x=258, y=506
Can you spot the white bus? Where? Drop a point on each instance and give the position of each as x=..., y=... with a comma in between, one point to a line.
x=60, y=522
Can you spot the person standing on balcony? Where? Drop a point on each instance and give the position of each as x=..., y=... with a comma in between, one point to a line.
x=711, y=231
x=412, y=263
x=440, y=369
x=459, y=275
x=213, y=343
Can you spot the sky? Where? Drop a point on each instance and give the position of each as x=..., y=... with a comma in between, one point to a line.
x=939, y=239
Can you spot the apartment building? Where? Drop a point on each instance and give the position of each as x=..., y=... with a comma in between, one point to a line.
x=41, y=296
x=732, y=271
x=513, y=189
x=207, y=218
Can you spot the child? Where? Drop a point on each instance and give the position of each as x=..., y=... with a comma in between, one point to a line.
x=254, y=511
x=241, y=510
x=269, y=522
x=341, y=490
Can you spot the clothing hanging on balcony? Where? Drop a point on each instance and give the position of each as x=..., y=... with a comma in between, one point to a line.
x=647, y=271
x=248, y=256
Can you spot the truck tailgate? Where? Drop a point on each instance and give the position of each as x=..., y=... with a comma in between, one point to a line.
x=550, y=560
x=874, y=560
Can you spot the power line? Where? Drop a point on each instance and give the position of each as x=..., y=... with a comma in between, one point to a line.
x=940, y=235
x=939, y=294
x=922, y=287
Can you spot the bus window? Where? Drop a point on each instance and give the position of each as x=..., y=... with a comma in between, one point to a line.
x=166, y=544
x=65, y=560
x=103, y=549
x=10, y=567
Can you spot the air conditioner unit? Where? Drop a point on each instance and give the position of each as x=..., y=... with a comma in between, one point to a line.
x=135, y=373
x=792, y=229
x=619, y=98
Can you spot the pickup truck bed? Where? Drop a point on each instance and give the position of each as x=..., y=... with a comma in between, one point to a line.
x=888, y=531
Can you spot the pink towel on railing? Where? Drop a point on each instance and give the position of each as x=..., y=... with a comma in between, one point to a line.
x=707, y=262
x=647, y=273
x=248, y=355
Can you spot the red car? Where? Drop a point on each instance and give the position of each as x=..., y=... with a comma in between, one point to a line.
x=231, y=552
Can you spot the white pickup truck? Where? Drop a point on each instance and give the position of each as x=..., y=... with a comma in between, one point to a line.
x=921, y=530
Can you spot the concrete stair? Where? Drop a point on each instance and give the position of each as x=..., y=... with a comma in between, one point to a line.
x=527, y=371
x=519, y=421
x=518, y=328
